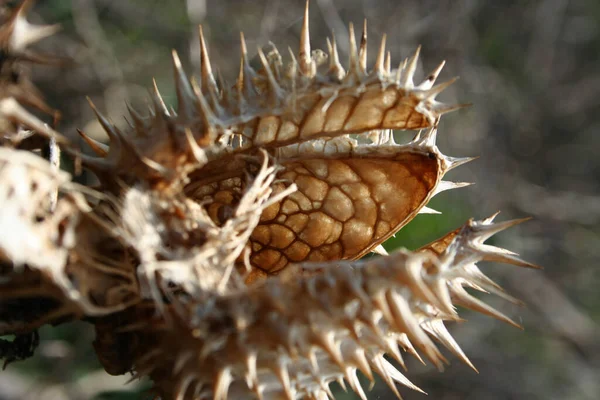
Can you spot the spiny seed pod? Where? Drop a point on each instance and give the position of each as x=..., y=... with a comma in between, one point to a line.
x=219, y=255
x=291, y=337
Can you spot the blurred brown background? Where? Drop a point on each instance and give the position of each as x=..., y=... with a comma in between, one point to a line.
x=532, y=71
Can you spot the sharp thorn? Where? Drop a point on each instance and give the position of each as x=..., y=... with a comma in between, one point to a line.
x=353, y=55
x=452, y=162
x=388, y=63
x=407, y=80
x=380, y=250
x=208, y=80
x=380, y=62
x=448, y=185
x=185, y=94
x=432, y=77
x=304, y=55
x=427, y=210
x=335, y=67
x=441, y=108
x=362, y=52
x=431, y=93
x=275, y=88
x=466, y=300
x=108, y=127
x=159, y=104
x=97, y=147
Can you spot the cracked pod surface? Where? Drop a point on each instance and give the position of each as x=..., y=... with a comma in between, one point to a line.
x=217, y=256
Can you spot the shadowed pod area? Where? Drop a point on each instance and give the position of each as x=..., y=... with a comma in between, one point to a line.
x=295, y=162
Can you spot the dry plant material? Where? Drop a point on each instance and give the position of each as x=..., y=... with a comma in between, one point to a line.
x=220, y=254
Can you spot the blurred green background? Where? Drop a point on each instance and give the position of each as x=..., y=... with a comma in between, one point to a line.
x=532, y=71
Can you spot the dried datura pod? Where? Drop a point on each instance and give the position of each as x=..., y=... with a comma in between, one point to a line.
x=220, y=253
x=17, y=92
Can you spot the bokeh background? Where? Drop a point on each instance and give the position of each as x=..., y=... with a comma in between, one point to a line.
x=532, y=71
